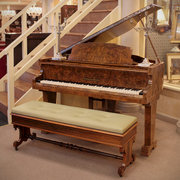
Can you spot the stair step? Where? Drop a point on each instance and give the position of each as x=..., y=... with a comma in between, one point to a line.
x=68, y=39
x=3, y=98
x=21, y=87
x=107, y=5
x=84, y=27
x=88, y=22
x=100, y=11
x=33, y=71
x=36, y=65
x=96, y=15
x=3, y=103
x=76, y=34
x=30, y=74
x=63, y=46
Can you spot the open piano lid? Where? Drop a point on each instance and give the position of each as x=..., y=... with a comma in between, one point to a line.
x=118, y=28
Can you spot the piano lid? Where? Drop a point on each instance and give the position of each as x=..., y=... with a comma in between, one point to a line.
x=118, y=28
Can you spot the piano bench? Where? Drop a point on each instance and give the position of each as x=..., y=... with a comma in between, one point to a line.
x=92, y=125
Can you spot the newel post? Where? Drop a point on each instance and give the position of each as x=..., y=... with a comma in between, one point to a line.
x=10, y=82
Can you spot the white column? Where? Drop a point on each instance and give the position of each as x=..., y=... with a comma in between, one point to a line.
x=120, y=17
x=47, y=5
x=131, y=38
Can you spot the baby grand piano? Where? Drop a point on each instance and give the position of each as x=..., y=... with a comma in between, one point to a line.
x=107, y=71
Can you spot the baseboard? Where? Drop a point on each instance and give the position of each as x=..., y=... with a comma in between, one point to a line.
x=178, y=127
x=167, y=118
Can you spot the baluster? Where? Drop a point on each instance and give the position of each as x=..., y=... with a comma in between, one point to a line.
x=24, y=28
x=10, y=80
x=57, y=17
x=119, y=16
x=80, y=3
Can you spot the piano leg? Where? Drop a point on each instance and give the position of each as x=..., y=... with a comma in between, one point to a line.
x=111, y=106
x=91, y=103
x=150, y=118
x=49, y=96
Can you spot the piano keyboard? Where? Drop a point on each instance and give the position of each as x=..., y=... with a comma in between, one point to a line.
x=94, y=87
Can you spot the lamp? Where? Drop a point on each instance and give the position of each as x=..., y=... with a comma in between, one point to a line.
x=34, y=11
x=8, y=13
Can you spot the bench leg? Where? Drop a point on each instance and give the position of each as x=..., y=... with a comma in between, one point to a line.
x=24, y=134
x=128, y=156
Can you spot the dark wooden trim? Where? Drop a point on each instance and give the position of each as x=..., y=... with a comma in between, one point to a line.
x=104, y=137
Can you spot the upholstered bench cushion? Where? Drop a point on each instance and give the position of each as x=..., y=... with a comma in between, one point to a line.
x=94, y=119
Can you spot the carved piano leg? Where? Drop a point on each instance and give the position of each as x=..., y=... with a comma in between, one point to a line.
x=49, y=96
x=24, y=134
x=128, y=157
x=91, y=103
x=150, y=118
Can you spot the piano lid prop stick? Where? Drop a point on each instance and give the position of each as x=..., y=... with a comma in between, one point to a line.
x=147, y=35
x=60, y=28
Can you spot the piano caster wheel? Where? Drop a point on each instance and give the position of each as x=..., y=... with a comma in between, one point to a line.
x=16, y=144
x=121, y=170
x=33, y=136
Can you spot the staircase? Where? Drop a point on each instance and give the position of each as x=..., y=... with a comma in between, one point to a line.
x=77, y=33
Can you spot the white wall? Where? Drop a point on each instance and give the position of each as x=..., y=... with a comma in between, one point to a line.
x=47, y=5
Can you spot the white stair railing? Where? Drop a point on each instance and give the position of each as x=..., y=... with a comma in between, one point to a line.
x=51, y=41
x=9, y=52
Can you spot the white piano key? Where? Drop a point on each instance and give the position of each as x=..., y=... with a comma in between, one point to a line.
x=95, y=87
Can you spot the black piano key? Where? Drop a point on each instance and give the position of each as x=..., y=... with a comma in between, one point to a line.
x=141, y=93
